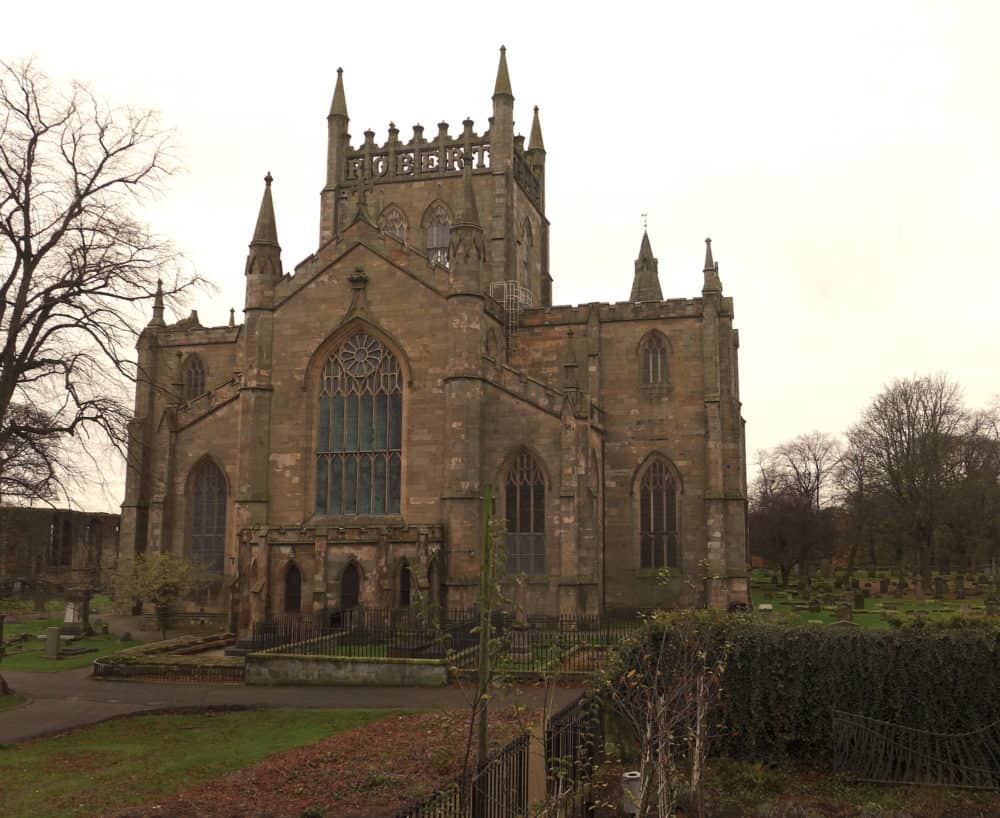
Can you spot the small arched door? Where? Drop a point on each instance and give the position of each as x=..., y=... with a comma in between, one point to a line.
x=350, y=588
x=293, y=589
x=405, y=584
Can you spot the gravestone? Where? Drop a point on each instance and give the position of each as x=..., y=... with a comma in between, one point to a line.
x=859, y=602
x=844, y=613
x=814, y=605
x=52, y=643
x=867, y=590
x=940, y=587
x=960, y=588
x=883, y=586
x=855, y=583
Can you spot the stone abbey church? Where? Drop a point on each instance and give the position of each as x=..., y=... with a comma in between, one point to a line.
x=334, y=449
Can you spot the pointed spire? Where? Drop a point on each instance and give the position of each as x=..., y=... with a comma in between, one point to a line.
x=266, y=232
x=646, y=283
x=470, y=213
x=713, y=284
x=157, y=320
x=709, y=263
x=502, y=87
x=535, y=142
x=338, y=107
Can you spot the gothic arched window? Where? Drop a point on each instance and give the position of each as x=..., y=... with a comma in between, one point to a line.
x=393, y=221
x=360, y=430
x=658, y=518
x=293, y=589
x=194, y=377
x=653, y=352
x=525, y=261
x=524, y=499
x=437, y=223
x=208, y=516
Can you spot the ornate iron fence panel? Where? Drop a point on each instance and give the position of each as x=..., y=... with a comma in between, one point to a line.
x=885, y=753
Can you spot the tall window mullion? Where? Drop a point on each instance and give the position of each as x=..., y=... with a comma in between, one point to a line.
x=658, y=536
x=359, y=433
x=524, y=490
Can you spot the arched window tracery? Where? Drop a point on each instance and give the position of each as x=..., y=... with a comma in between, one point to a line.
x=658, y=518
x=360, y=430
x=527, y=241
x=194, y=377
x=393, y=221
x=653, y=356
x=524, y=500
x=437, y=223
x=208, y=516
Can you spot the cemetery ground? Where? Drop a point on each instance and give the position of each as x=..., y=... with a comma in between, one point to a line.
x=28, y=653
x=279, y=762
x=791, y=604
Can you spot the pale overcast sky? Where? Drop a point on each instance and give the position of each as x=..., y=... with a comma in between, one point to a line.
x=843, y=157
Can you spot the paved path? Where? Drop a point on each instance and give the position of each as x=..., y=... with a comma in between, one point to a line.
x=73, y=698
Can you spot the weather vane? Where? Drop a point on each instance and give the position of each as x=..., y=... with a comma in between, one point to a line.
x=644, y=215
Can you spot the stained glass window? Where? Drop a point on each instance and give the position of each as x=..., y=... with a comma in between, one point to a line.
x=524, y=496
x=208, y=516
x=194, y=377
x=359, y=443
x=654, y=361
x=658, y=518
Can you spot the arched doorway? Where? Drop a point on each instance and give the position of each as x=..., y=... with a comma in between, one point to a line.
x=405, y=584
x=350, y=588
x=293, y=589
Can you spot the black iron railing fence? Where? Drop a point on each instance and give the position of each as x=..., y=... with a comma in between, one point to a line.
x=497, y=789
x=574, y=749
x=537, y=644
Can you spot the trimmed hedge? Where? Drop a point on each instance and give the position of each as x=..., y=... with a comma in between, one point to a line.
x=781, y=683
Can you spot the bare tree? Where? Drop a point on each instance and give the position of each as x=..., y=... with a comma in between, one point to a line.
x=807, y=465
x=75, y=263
x=911, y=432
x=789, y=521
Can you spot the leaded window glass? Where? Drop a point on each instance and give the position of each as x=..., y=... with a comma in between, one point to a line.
x=194, y=377
x=654, y=361
x=438, y=234
x=658, y=518
x=208, y=516
x=524, y=496
x=359, y=443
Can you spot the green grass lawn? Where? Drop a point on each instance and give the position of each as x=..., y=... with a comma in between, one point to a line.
x=130, y=761
x=29, y=655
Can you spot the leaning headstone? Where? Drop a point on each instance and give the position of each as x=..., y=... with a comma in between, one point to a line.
x=940, y=587
x=52, y=643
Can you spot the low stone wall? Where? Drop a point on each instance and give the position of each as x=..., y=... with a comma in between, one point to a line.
x=267, y=668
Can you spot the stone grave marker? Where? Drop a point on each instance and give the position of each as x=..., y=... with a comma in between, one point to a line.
x=52, y=643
